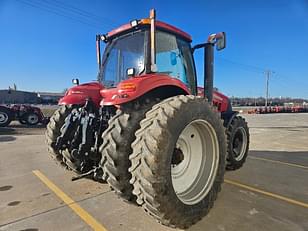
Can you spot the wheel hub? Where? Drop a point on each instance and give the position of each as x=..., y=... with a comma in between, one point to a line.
x=3, y=117
x=177, y=157
x=239, y=143
x=194, y=162
x=32, y=119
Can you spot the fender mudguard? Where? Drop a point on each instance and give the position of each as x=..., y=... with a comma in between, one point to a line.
x=131, y=89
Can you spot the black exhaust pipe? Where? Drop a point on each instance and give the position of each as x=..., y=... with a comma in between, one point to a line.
x=98, y=57
x=208, y=71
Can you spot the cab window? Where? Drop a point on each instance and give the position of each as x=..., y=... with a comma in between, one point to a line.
x=174, y=58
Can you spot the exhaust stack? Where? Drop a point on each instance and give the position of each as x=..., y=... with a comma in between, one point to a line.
x=153, y=51
x=98, y=57
x=208, y=71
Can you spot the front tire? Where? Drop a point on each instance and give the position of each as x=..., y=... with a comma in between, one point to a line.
x=178, y=160
x=238, y=143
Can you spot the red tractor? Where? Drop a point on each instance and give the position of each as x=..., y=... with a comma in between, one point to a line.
x=25, y=114
x=146, y=128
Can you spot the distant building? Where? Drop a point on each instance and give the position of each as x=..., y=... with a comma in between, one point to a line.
x=18, y=97
x=49, y=97
x=23, y=97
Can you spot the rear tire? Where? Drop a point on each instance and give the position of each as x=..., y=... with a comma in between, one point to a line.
x=169, y=181
x=5, y=117
x=238, y=143
x=116, y=148
x=31, y=119
x=53, y=131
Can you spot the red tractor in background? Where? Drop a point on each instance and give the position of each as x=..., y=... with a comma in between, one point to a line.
x=146, y=128
x=25, y=114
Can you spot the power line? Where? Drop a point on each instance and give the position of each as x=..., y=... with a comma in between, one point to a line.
x=248, y=67
x=63, y=13
x=56, y=13
x=81, y=12
x=291, y=79
x=268, y=74
x=261, y=70
x=287, y=86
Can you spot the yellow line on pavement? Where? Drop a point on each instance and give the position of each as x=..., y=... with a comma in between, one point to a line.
x=278, y=162
x=84, y=215
x=276, y=196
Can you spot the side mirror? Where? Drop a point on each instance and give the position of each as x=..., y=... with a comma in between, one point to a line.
x=173, y=58
x=219, y=40
x=75, y=81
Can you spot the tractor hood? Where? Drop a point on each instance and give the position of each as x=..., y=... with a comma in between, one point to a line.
x=79, y=94
x=92, y=86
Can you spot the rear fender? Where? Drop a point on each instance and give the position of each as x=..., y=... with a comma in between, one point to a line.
x=228, y=117
x=133, y=88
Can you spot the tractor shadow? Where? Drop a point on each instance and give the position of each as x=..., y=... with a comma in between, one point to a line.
x=16, y=128
x=8, y=131
x=7, y=138
x=23, y=126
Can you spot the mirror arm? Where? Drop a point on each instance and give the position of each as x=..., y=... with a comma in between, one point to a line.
x=198, y=46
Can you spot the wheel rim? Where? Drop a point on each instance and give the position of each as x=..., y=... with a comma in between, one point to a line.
x=195, y=162
x=3, y=117
x=33, y=119
x=239, y=143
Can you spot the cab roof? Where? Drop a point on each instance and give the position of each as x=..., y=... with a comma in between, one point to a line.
x=160, y=25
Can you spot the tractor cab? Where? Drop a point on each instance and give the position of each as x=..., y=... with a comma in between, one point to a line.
x=138, y=48
x=128, y=55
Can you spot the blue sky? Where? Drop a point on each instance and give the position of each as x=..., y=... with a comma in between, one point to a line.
x=42, y=50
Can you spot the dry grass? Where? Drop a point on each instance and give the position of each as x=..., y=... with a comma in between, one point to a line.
x=48, y=112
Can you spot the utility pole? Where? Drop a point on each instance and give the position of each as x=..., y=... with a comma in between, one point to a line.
x=268, y=74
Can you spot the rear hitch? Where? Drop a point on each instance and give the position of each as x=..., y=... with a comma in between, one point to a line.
x=76, y=124
x=95, y=173
x=79, y=136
